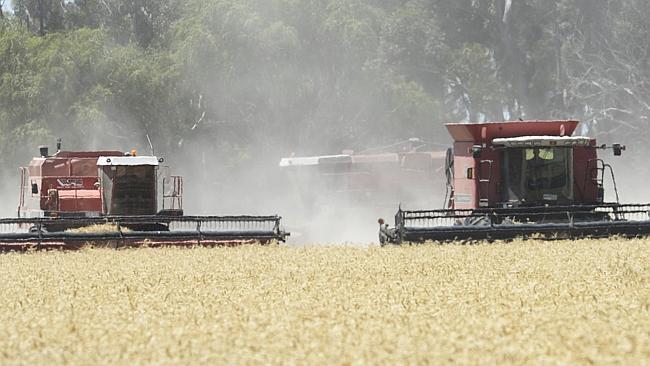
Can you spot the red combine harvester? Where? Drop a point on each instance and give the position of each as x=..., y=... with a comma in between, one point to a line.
x=405, y=172
x=354, y=185
x=107, y=197
x=522, y=179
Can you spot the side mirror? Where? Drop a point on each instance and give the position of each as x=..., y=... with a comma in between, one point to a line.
x=476, y=151
x=618, y=149
x=34, y=188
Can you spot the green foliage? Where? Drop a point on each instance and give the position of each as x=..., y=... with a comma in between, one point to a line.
x=267, y=77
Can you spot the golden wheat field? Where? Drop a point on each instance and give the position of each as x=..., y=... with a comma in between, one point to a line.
x=520, y=303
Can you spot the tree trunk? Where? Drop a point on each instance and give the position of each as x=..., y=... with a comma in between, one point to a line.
x=41, y=25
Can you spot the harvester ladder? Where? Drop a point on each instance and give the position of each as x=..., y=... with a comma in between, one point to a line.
x=598, y=178
x=597, y=174
x=23, y=186
x=173, y=192
x=484, y=183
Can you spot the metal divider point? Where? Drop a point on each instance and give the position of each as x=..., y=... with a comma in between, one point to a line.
x=40, y=233
x=121, y=239
x=198, y=230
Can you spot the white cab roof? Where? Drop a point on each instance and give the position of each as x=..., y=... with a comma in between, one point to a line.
x=532, y=141
x=127, y=160
x=309, y=160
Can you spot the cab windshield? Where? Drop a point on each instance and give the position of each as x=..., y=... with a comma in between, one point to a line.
x=538, y=175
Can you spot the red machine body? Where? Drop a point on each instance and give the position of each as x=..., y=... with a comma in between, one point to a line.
x=366, y=179
x=97, y=183
x=480, y=174
x=66, y=182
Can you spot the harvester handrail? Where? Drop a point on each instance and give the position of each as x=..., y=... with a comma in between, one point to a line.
x=536, y=210
x=137, y=219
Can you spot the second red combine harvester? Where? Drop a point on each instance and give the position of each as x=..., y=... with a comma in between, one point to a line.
x=522, y=179
x=72, y=198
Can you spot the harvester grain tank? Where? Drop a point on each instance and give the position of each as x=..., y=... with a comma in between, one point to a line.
x=129, y=200
x=523, y=179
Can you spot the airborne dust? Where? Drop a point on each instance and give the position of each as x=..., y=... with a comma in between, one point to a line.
x=318, y=101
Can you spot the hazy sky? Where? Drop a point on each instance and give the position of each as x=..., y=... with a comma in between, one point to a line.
x=6, y=5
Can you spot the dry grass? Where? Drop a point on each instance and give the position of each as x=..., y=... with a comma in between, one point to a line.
x=97, y=228
x=523, y=303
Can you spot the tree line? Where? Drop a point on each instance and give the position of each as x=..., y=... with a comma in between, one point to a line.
x=240, y=80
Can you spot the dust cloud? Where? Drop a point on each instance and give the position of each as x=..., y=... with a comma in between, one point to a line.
x=237, y=173
x=314, y=208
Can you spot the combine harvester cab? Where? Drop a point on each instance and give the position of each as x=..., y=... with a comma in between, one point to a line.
x=525, y=179
x=70, y=199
